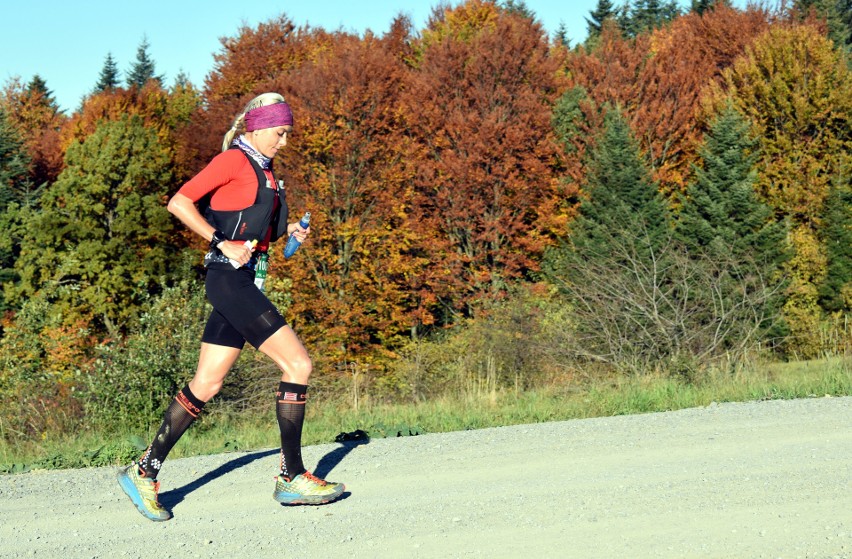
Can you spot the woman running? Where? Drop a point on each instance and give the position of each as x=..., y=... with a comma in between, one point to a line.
x=246, y=206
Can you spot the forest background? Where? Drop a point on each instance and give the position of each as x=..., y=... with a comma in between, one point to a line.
x=494, y=209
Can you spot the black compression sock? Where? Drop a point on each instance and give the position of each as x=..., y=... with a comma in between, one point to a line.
x=290, y=409
x=178, y=417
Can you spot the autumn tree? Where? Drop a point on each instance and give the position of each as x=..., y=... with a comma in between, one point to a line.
x=98, y=245
x=483, y=86
x=33, y=111
x=351, y=164
x=659, y=80
x=796, y=90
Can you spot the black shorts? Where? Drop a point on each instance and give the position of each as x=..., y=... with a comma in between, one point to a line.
x=241, y=312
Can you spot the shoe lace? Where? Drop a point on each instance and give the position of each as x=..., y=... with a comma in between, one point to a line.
x=315, y=479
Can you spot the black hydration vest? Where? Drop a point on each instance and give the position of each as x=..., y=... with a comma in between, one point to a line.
x=252, y=222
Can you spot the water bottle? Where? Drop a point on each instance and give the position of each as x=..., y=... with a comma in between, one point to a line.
x=260, y=270
x=293, y=243
x=247, y=244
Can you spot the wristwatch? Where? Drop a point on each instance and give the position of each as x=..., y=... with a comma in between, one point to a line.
x=218, y=238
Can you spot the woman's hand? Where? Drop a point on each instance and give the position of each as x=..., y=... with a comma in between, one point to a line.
x=237, y=251
x=296, y=229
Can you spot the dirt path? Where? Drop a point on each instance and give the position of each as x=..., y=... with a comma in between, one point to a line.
x=762, y=479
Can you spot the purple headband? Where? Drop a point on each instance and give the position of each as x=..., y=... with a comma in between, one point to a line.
x=269, y=116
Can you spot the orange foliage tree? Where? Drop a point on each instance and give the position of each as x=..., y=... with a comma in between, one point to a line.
x=658, y=80
x=483, y=84
x=351, y=164
x=36, y=116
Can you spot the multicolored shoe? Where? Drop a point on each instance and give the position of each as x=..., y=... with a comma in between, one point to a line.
x=306, y=489
x=142, y=492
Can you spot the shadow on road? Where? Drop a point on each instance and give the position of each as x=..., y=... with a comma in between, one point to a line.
x=171, y=498
x=348, y=442
x=327, y=463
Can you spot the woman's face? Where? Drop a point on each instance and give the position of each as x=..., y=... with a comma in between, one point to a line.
x=269, y=140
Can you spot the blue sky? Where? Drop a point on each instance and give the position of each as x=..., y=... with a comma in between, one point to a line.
x=67, y=42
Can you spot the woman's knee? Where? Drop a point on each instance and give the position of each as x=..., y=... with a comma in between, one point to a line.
x=204, y=389
x=298, y=370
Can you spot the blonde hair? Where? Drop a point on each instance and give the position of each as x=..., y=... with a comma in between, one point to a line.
x=239, y=123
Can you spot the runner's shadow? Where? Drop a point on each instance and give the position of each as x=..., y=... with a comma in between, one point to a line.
x=170, y=499
x=348, y=441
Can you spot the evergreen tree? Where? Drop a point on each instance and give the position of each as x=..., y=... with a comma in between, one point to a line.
x=645, y=15
x=624, y=18
x=835, y=292
x=100, y=242
x=614, y=266
x=14, y=164
x=181, y=80
x=15, y=186
x=518, y=7
x=568, y=118
x=560, y=36
x=721, y=213
x=845, y=10
x=37, y=89
x=623, y=201
x=837, y=15
x=723, y=220
x=144, y=67
x=603, y=11
x=108, y=79
x=701, y=6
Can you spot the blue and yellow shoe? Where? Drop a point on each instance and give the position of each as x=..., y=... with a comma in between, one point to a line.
x=306, y=489
x=142, y=492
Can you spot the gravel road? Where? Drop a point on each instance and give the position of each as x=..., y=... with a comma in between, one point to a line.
x=760, y=479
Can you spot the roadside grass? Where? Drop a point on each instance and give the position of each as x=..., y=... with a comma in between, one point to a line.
x=225, y=430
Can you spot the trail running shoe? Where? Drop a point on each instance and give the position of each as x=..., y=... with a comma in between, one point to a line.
x=306, y=489
x=142, y=492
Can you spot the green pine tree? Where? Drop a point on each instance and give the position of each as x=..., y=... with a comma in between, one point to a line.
x=837, y=15
x=15, y=184
x=614, y=266
x=602, y=12
x=722, y=220
x=560, y=36
x=100, y=243
x=144, y=69
x=568, y=117
x=37, y=89
x=701, y=6
x=15, y=187
x=645, y=15
x=108, y=78
x=623, y=200
x=835, y=292
x=721, y=213
x=518, y=7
